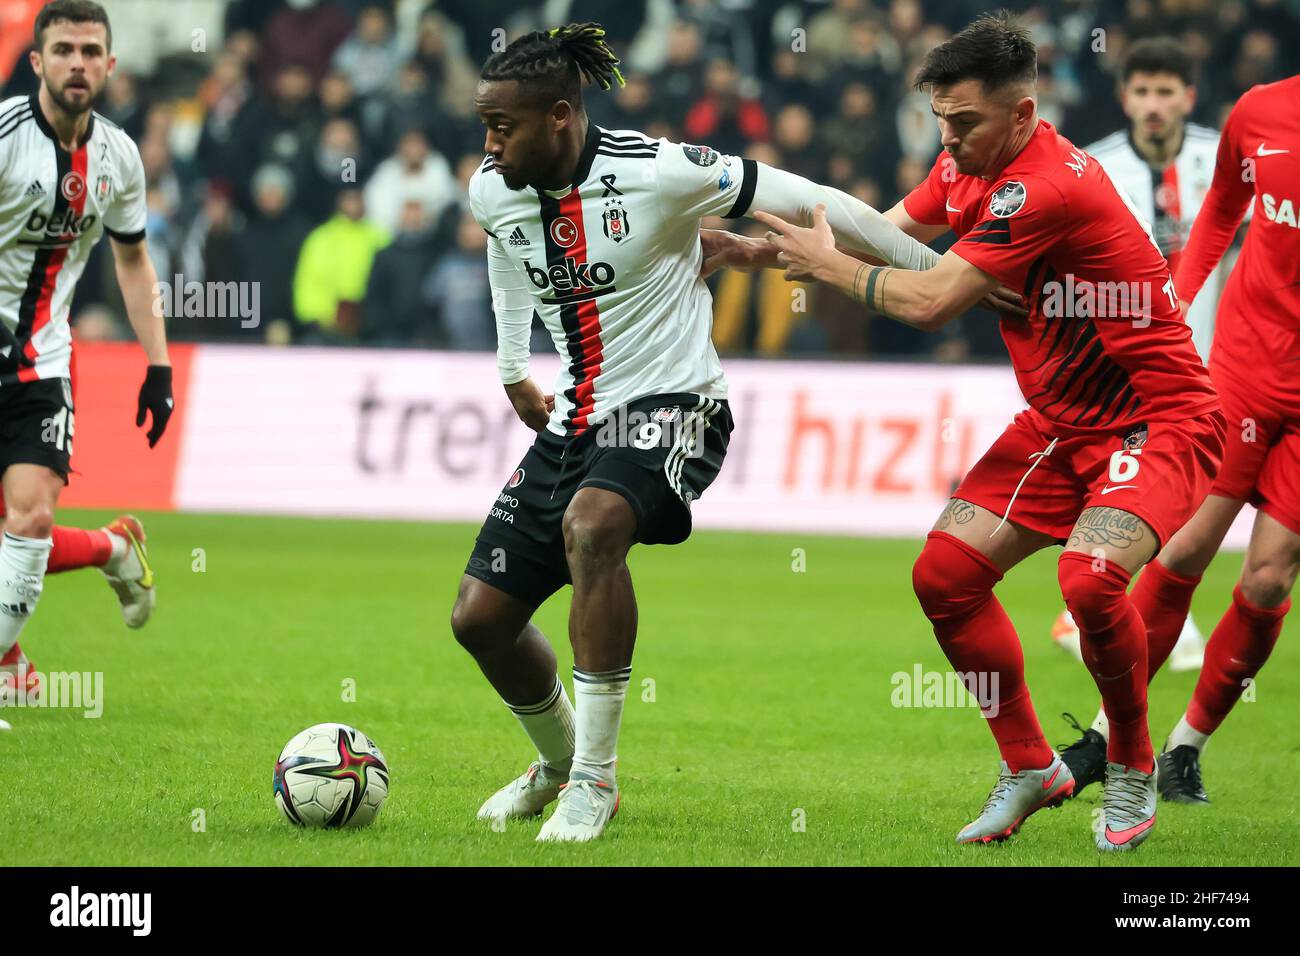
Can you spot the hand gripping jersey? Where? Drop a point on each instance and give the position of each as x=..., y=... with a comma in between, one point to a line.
x=1104, y=345
x=1168, y=200
x=54, y=206
x=1258, y=336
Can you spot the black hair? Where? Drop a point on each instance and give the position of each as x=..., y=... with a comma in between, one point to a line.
x=73, y=11
x=554, y=63
x=1159, y=55
x=995, y=49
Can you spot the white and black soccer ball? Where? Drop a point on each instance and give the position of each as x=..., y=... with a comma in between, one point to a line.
x=331, y=775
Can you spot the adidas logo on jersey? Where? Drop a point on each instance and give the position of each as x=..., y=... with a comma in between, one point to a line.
x=517, y=238
x=36, y=189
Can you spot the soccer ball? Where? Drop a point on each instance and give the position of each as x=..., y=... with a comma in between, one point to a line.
x=331, y=775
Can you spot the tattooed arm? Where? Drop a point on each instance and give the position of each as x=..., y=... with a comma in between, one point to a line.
x=925, y=300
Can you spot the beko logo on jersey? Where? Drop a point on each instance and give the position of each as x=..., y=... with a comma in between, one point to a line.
x=573, y=279
x=69, y=224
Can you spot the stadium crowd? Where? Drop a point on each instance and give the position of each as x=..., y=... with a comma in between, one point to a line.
x=321, y=148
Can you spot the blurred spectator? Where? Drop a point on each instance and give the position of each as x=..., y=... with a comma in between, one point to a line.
x=338, y=97
x=829, y=35
x=632, y=107
x=268, y=250
x=369, y=57
x=224, y=96
x=281, y=128
x=304, y=33
x=396, y=310
x=122, y=103
x=678, y=82
x=793, y=132
x=457, y=288
x=858, y=131
x=209, y=249
x=329, y=283
x=413, y=174
x=337, y=162
x=722, y=117
x=789, y=83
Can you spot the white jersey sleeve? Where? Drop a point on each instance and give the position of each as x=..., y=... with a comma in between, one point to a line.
x=125, y=218
x=512, y=302
x=698, y=181
x=854, y=223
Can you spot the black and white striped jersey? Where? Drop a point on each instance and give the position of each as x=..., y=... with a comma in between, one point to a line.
x=54, y=206
x=1169, y=200
x=611, y=264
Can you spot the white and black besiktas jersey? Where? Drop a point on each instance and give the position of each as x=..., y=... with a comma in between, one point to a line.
x=54, y=206
x=611, y=264
x=1169, y=200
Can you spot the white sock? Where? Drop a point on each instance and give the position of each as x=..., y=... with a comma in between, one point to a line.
x=1184, y=734
x=1102, y=724
x=120, y=549
x=22, y=574
x=549, y=725
x=599, y=699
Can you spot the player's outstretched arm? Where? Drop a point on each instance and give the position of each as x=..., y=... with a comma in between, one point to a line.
x=853, y=223
x=925, y=300
x=139, y=283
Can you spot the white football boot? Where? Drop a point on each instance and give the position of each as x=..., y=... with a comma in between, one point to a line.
x=130, y=576
x=526, y=796
x=1128, y=808
x=1014, y=797
x=586, y=806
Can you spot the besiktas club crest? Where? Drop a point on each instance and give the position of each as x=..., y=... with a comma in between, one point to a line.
x=1007, y=200
x=615, y=221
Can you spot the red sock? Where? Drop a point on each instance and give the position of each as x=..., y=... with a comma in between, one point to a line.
x=1163, y=599
x=77, y=548
x=954, y=584
x=1114, y=643
x=1236, y=651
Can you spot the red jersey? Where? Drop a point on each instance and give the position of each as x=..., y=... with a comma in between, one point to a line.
x=1257, y=335
x=1104, y=345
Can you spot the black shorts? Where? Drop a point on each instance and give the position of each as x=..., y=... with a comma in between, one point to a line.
x=36, y=424
x=659, y=453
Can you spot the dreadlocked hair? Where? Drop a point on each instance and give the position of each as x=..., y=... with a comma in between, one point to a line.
x=554, y=63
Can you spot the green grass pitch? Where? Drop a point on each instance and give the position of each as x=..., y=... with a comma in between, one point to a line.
x=771, y=706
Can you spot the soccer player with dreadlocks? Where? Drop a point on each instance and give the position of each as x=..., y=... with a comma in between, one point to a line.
x=598, y=233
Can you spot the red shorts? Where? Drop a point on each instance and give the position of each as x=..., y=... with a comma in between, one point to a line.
x=1043, y=477
x=1261, y=463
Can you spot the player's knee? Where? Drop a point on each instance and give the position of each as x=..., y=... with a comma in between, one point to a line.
x=1267, y=585
x=1093, y=597
x=597, y=532
x=939, y=586
x=31, y=521
x=473, y=625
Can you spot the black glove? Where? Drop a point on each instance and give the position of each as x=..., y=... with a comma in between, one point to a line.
x=156, y=397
